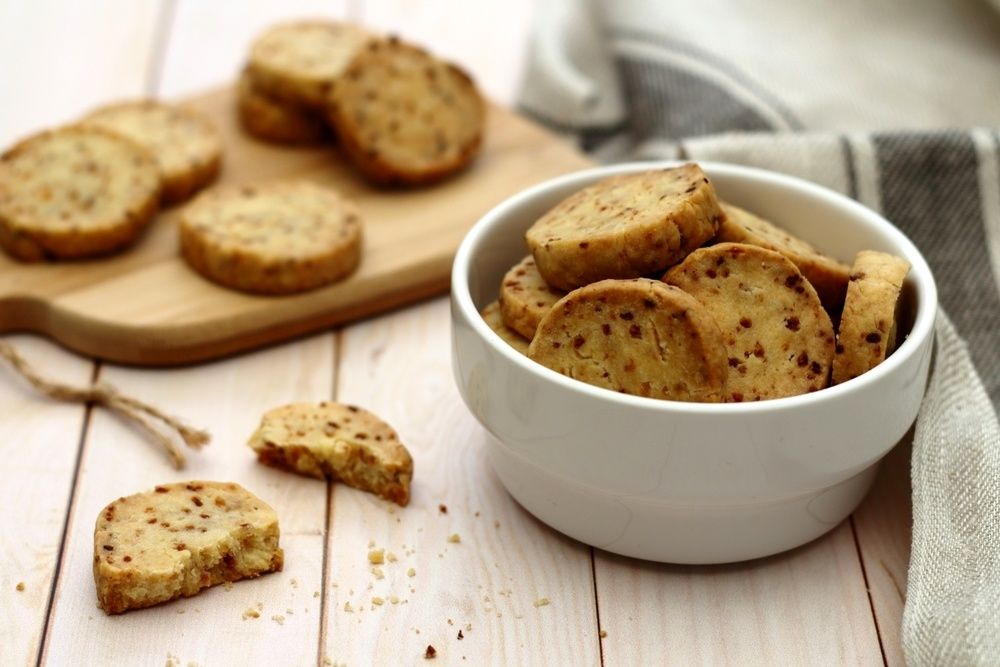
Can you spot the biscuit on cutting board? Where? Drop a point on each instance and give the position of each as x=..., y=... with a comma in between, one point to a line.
x=186, y=144
x=177, y=539
x=299, y=62
x=625, y=226
x=403, y=116
x=277, y=238
x=336, y=441
x=779, y=339
x=75, y=192
x=272, y=120
x=639, y=337
x=867, y=332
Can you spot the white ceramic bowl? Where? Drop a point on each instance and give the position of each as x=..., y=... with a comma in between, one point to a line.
x=686, y=482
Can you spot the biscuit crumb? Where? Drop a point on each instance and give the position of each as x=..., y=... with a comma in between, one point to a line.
x=394, y=599
x=454, y=538
x=315, y=594
x=376, y=556
x=542, y=602
x=294, y=582
x=442, y=508
x=450, y=622
x=430, y=652
x=251, y=613
x=347, y=607
x=371, y=543
x=228, y=585
x=279, y=619
x=411, y=572
x=390, y=557
x=378, y=601
x=603, y=634
x=20, y=586
x=460, y=635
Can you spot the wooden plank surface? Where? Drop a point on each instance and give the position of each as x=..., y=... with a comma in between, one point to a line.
x=146, y=306
x=487, y=585
x=227, y=398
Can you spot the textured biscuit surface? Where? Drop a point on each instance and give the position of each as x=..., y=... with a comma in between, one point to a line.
x=494, y=319
x=827, y=276
x=273, y=120
x=299, y=62
x=625, y=227
x=336, y=441
x=276, y=238
x=186, y=144
x=779, y=339
x=637, y=336
x=403, y=116
x=868, y=325
x=75, y=192
x=525, y=297
x=177, y=539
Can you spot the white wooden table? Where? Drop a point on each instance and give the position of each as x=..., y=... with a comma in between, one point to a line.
x=835, y=601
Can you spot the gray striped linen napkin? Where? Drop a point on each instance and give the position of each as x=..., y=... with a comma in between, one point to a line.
x=853, y=96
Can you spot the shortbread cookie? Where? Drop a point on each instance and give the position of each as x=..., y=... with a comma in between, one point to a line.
x=403, y=116
x=494, y=319
x=177, y=539
x=186, y=144
x=336, y=441
x=525, y=298
x=827, y=275
x=272, y=120
x=637, y=337
x=277, y=238
x=299, y=62
x=867, y=332
x=75, y=192
x=625, y=227
x=778, y=337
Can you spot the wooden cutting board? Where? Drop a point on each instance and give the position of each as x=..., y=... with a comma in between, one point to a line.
x=145, y=306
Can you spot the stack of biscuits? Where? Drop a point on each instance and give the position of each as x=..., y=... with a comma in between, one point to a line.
x=399, y=114
x=647, y=284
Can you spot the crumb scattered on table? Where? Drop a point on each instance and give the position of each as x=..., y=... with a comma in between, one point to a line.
x=279, y=619
x=294, y=582
x=442, y=508
x=394, y=599
x=391, y=557
x=603, y=633
x=411, y=572
x=454, y=538
x=430, y=652
x=20, y=587
x=377, y=572
x=542, y=602
x=460, y=635
x=228, y=585
x=378, y=601
x=376, y=556
x=347, y=607
x=251, y=613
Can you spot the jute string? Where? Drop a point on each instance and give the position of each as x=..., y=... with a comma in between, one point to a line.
x=128, y=408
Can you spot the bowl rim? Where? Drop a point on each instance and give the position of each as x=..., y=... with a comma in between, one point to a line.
x=920, y=273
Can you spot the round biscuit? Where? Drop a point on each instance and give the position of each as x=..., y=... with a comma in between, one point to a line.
x=277, y=238
x=525, y=297
x=867, y=332
x=827, y=275
x=625, y=227
x=299, y=62
x=186, y=144
x=272, y=120
x=331, y=440
x=403, y=116
x=639, y=337
x=75, y=192
x=494, y=320
x=778, y=337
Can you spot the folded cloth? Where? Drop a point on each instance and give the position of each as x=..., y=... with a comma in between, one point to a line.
x=854, y=96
